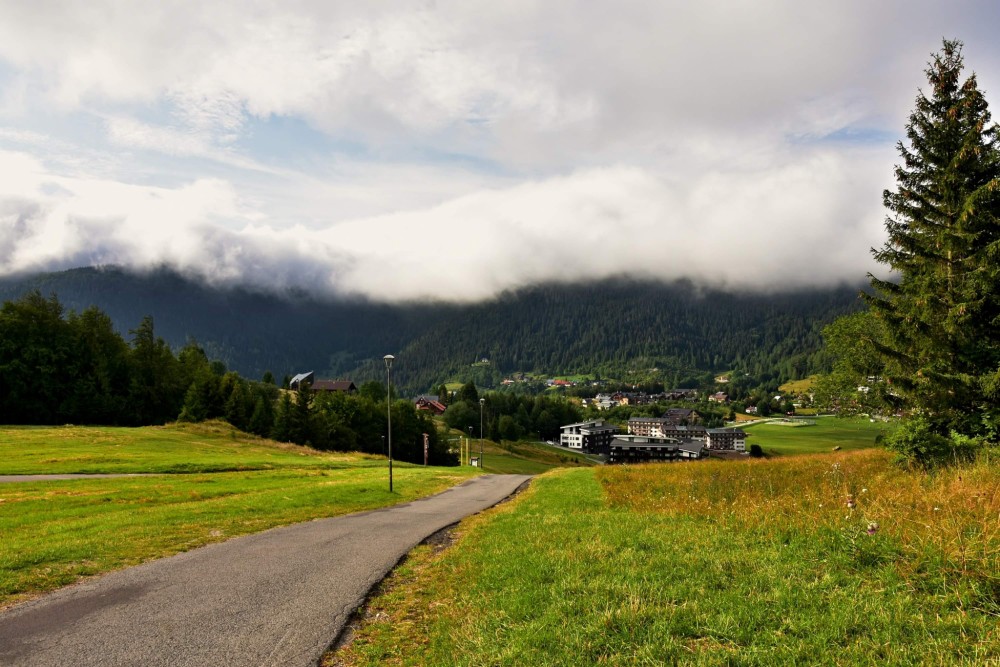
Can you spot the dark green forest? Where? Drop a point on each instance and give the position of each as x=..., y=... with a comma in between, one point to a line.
x=59, y=367
x=619, y=329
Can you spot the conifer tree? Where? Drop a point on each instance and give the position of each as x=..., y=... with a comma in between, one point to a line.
x=282, y=419
x=940, y=310
x=262, y=419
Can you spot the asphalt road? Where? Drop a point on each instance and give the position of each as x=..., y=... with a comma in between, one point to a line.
x=275, y=598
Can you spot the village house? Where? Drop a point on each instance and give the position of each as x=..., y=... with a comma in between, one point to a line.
x=662, y=427
x=682, y=416
x=341, y=386
x=732, y=439
x=336, y=386
x=429, y=403
x=604, y=401
x=644, y=449
x=592, y=437
x=301, y=377
x=681, y=395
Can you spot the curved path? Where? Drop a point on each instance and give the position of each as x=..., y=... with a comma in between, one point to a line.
x=280, y=597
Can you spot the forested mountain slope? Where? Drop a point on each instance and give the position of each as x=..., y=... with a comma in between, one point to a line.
x=609, y=327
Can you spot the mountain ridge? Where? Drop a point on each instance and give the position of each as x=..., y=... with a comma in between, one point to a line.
x=608, y=326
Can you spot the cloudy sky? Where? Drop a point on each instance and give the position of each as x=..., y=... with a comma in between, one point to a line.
x=456, y=149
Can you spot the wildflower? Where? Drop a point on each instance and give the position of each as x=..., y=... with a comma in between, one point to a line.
x=937, y=509
x=864, y=490
x=872, y=528
x=850, y=503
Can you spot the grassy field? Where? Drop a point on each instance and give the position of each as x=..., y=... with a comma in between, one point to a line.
x=838, y=559
x=55, y=532
x=821, y=434
x=175, y=448
x=798, y=386
x=529, y=458
x=523, y=458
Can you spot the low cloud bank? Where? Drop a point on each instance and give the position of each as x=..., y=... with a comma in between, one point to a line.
x=807, y=221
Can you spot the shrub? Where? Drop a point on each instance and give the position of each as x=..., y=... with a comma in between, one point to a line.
x=922, y=442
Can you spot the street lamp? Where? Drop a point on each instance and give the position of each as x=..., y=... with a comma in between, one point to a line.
x=482, y=401
x=470, y=446
x=388, y=359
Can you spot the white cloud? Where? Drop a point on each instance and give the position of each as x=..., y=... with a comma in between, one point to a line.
x=456, y=149
x=763, y=228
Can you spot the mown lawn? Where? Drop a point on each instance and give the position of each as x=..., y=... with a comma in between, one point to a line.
x=52, y=533
x=834, y=560
x=814, y=435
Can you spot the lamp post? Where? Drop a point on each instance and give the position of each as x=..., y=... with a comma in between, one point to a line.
x=482, y=401
x=470, y=445
x=388, y=359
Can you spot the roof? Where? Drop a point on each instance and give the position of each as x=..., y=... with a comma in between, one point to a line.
x=692, y=446
x=301, y=376
x=334, y=385
x=626, y=441
x=594, y=423
x=693, y=428
x=424, y=402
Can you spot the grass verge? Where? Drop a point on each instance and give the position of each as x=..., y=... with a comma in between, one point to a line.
x=715, y=563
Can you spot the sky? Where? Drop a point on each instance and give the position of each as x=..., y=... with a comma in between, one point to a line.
x=454, y=150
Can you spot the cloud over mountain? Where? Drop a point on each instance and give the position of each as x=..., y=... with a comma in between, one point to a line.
x=451, y=150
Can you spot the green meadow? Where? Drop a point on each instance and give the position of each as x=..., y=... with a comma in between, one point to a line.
x=838, y=559
x=814, y=435
x=528, y=458
x=55, y=532
x=174, y=448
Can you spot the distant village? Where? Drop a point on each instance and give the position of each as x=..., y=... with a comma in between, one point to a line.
x=676, y=435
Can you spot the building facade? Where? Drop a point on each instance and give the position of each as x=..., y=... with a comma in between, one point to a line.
x=732, y=439
x=593, y=436
x=645, y=449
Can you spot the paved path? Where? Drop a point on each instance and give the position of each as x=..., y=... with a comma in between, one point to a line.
x=277, y=598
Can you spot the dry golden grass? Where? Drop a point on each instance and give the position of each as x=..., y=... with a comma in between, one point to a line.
x=949, y=517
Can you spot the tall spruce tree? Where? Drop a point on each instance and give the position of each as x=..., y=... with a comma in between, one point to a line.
x=940, y=310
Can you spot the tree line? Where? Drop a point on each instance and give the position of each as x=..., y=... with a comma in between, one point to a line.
x=75, y=368
x=508, y=416
x=619, y=329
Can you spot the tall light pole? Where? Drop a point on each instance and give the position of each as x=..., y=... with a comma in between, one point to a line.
x=470, y=445
x=482, y=401
x=388, y=359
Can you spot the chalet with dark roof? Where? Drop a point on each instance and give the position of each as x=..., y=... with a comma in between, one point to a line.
x=336, y=386
x=308, y=378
